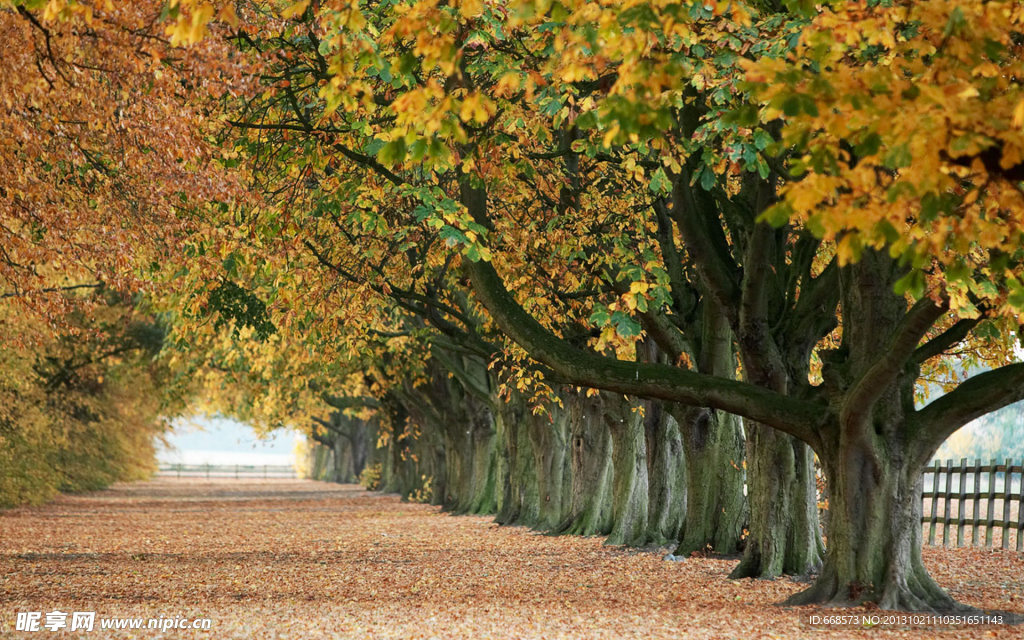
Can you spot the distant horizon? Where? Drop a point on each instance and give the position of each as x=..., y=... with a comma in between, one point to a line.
x=201, y=439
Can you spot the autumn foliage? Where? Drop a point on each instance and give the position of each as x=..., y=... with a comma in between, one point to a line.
x=591, y=267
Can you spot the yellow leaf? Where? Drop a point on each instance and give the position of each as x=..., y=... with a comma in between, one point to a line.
x=1018, y=115
x=609, y=136
x=228, y=16
x=969, y=92
x=470, y=7
x=295, y=9
x=638, y=287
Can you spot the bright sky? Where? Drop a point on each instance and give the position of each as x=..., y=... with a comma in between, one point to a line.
x=203, y=440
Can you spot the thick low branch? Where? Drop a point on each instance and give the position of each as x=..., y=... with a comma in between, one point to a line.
x=650, y=380
x=973, y=398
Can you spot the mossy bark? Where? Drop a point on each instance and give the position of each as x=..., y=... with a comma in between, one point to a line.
x=516, y=480
x=549, y=441
x=590, y=511
x=784, y=536
x=716, y=509
x=666, y=475
x=874, y=533
x=873, y=451
x=630, y=487
x=484, y=461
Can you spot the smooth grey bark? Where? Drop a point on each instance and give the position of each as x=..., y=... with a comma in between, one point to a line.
x=666, y=474
x=784, y=534
x=590, y=510
x=630, y=485
x=516, y=480
x=549, y=440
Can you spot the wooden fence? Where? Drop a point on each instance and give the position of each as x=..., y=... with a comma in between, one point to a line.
x=966, y=504
x=227, y=471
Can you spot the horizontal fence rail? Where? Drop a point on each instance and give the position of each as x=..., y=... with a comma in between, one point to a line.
x=967, y=504
x=227, y=471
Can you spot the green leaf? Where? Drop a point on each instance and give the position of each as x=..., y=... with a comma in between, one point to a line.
x=762, y=139
x=869, y=145
x=659, y=182
x=625, y=326
x=958, y=272
x=898, y=157
x=809, y=106
x=392, y=153
x=776, y=215
x=957, y=22
x=913, y=283
x=600, y=315
x=587, y=120
x=707, y=179
x=791, y=106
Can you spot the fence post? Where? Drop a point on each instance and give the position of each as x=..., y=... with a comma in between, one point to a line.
x=975, y=519
x=1007, y=496
x=960, y=503
x=1020, y=511
x=990, y=519
x=933, y=508
x=947, y=527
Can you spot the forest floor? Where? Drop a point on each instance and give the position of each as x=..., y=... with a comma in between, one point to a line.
x=301, y=559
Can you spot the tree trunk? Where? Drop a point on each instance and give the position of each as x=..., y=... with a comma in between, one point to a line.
x=457, y=466
x=549, y=436
x=362, y=434
x=874, y=534
x=590, y=512
x=666, y=474
x=716, y=509
x=630, y=488
x=483, y=484
x=321, y=465
x=872, y=459
x=784, y=536
x=517, y=491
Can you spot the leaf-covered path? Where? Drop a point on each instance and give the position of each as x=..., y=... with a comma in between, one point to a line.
x=300, y=559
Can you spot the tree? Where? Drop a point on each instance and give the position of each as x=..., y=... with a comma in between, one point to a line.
x=81, y=406
x=781, y=290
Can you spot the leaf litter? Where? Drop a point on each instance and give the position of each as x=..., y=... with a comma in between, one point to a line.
x=303, y=559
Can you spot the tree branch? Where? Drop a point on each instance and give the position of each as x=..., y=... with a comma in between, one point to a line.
x=973, y=398
x=945, y=340
x=650, y=380
x=872, y=384
x=704, y=244
x=95, y=285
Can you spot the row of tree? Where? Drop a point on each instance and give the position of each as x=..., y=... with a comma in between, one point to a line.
x=547, y=255
x=80, y=407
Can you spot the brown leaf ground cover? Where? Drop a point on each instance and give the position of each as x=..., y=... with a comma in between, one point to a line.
x=300, y=559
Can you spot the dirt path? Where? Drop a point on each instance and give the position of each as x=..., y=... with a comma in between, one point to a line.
x=300, y=559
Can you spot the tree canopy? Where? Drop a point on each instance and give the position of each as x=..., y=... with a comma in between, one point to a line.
x=798, y=215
